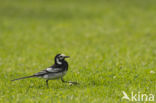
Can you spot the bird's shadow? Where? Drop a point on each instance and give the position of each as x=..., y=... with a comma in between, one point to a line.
x=62, y=86
x=56, y=87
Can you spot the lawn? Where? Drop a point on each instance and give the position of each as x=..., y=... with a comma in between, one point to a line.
x=112, y=45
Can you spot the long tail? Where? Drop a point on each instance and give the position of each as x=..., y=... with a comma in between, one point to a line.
x=23, y=77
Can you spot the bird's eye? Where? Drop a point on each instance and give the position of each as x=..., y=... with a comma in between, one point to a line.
x=61, y=57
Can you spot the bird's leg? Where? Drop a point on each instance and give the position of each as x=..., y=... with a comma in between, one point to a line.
x=63, y=80
x=47, y=82
x=68, y=81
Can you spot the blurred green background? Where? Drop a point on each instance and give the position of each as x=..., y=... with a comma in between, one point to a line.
x=112, y=44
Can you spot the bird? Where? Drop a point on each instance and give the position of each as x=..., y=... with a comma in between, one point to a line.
x=56, y=71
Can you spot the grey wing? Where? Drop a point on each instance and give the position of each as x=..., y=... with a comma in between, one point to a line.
x=48, y=70
x=41, y=73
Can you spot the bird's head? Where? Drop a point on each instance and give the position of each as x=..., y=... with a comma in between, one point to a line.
x=59, y=58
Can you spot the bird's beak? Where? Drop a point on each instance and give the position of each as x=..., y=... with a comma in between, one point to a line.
x=66, y=56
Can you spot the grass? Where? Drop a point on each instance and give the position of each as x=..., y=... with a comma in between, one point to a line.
x=111, y=43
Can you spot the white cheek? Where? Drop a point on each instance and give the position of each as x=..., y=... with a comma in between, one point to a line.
x=57, y=60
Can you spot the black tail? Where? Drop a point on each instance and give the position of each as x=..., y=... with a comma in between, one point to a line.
x=23, y=78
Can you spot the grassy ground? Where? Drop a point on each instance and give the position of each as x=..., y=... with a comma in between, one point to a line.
x=112, y=44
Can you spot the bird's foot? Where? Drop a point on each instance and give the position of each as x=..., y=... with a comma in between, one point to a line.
x=75, y=83
x=70, y=82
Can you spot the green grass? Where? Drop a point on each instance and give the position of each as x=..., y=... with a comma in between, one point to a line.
x=112, y=44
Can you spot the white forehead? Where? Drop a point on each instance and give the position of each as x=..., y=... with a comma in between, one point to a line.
x=63, y=55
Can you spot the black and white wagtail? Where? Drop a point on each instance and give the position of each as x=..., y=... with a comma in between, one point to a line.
x=56, y=71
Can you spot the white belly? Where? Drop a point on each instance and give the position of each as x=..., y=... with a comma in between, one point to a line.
x=54, y=75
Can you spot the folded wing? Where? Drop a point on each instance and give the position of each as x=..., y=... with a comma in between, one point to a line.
x=48, y=70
